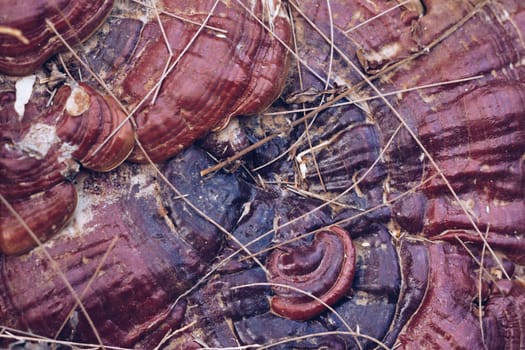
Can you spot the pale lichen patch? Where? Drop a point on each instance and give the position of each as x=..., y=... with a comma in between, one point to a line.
x=78, y=101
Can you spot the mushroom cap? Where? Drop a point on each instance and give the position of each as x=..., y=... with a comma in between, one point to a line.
x=27, y=40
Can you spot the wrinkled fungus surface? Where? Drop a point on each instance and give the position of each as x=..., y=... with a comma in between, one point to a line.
x=39, y=154
x=386, y=180
x=35, y=23
x=231, y=67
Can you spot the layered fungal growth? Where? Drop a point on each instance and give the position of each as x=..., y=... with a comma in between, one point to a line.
x=456, y=305
x=377, y=203
x=127, y=295
x=31, y=179
x=187, y=75
x=95, y=130
x=453, y=137
x=39, y=154
x=95, y=127
x=29, y=38
x=474, y=133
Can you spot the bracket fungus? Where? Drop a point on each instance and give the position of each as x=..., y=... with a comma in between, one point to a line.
x=240, y=69
x=38, y=156
x=184, y=78
x=36, y=40
x=403, y=126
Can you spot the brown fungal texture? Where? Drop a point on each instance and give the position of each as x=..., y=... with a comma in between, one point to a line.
x=220, y=76
x=325, y=268
x=74, y=20
x=429, y=180
x=450, y=316
x=96, y=126
x=124, y=263
x=504, y=323
x=37, y=156
x=231, y=67
x=31, y=180
x=455, y=152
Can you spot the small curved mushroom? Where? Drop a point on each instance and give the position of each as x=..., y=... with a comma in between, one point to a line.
x=325, y=269
x=74, y=20
x=87, y=123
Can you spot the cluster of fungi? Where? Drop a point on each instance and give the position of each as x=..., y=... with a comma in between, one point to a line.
x=373, y=194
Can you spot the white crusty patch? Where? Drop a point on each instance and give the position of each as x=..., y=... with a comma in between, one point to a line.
x=82, y=217
x=38, y=140
x=144, y=181
x=65, y=156
x=386, y=53
x=65, y=153
x=24, y=89
x=91, y=204
x=230, y=134
x=88, y=204
x=78, y=101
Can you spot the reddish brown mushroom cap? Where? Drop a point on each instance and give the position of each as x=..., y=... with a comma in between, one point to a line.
x=325, y=269
x=238, y=70
x=74, y=20
x=45, y=213
x=31, y=178
x=38, y=153
x=91, y=123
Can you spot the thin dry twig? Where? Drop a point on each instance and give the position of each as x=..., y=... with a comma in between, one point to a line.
x=379, y=15
x=14, y=32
